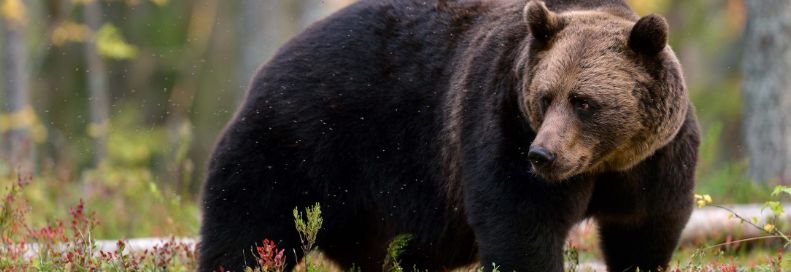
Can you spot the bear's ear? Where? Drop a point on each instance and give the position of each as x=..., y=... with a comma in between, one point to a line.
x=542, y=22
x=649, y=35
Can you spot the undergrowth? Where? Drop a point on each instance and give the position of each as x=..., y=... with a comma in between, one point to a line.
x=70, y=244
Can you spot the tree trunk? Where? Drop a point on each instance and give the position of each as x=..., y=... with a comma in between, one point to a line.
x=20, y=117
x=180, y=135
x=767, y=89
x=262, y=33
x=311, y=11
x=97, y=84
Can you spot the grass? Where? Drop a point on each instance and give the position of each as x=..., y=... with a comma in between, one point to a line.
x=132, y=198
x=70, y=245
x=725, y=260
x=125, y=200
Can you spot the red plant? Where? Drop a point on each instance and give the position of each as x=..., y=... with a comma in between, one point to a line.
x=270, y=258
x=728, y=268
x=50, y=234
x=69, y=243
x=777, y=263
x=12, y=221
x=164, y=254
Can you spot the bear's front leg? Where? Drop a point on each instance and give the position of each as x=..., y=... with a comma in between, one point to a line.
x=646, y=245
x=641, y=227
x=642, y=212
x=521, y=224
x=519, y=245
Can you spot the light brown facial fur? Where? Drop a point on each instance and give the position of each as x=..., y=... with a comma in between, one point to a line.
x=601, y=91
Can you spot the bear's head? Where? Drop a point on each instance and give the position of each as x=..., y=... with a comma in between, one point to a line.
x=601, y=92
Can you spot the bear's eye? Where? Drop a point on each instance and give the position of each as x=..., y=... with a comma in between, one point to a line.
x=545, y=101
x=581, y=104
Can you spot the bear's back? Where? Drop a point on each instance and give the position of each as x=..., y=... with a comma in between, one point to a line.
x=369, y=78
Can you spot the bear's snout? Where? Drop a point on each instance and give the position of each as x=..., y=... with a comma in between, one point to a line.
x=540, y=157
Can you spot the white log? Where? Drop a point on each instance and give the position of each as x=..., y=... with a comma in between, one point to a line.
x=712, y=222
x=705, y=223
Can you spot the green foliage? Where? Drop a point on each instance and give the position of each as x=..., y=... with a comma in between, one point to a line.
x=8, y=216
x=166, y=213
x=726, y=181
x=112, y=45
x=308, y=226
x=572, y=259
x=394, y=251
x=777, y=209
x=696, y=260
x=758, y=259
x=125, y=187
x=775, y=206
x=495, y=268
x=780, y=189
x=71, y=246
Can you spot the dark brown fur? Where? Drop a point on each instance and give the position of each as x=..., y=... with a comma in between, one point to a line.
x=407, y=116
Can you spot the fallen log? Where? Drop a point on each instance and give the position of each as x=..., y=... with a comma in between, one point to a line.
x=142, y=244
x=713, y=222
x=705, y=223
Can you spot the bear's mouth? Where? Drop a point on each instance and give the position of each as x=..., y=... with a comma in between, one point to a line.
x=558, y=172
x=553, y=173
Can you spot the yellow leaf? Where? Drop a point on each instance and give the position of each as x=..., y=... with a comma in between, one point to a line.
x=707, y=198
x=112, y=45
x=24, y=118
x=39, y=133
x=702, y=200
x=648, y=6
x=82, y=2
x=160, y=2
x=5, y=124
x=97, y=130
x=70, y=32
x=20, y=119
x=769, y=227
x=13, y=11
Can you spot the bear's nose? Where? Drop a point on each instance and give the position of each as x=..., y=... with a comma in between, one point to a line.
x=540, y=156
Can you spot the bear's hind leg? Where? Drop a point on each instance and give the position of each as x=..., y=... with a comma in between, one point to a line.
x=352, y=241
x=229, y=240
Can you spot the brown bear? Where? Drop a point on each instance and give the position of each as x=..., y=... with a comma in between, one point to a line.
x=485, y=129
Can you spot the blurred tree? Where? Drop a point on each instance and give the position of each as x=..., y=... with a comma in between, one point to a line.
x=199, y=31
x=262, y=28
x=311, y=11
x=20, y=116
x=267, y=24
x=97, y=83
x=767, y=89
